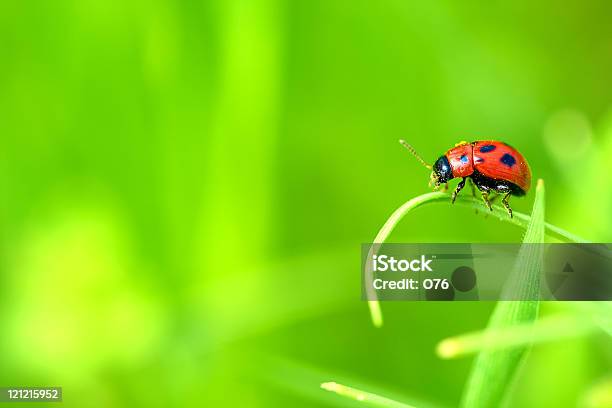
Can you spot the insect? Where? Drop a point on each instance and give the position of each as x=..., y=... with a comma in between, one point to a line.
x=491, y=165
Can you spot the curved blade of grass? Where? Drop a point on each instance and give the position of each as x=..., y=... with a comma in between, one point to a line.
x=551, y=328
x=367, y=398
x=493, y=371
x=519, y=219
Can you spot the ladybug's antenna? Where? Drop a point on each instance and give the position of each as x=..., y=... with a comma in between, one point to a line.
x=414, y=153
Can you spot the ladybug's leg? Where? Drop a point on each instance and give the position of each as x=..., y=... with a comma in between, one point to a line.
x=505, y=203
x=457, y=190
x=485, y=198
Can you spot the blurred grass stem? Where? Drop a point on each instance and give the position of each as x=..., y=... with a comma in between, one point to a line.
x=367, y=398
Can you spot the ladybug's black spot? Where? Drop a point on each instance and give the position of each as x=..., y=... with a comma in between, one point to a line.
x=478, y=160
x=487, y=148
x=464, y=158
x=508, y=160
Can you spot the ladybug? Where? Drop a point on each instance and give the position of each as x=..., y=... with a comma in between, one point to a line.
x=491, y=165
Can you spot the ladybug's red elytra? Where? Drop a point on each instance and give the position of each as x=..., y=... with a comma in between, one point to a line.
x=491, y=165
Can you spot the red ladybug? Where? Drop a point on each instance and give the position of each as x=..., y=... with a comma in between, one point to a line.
x=491, y=165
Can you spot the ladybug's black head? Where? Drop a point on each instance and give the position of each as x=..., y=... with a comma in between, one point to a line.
x=442, y=171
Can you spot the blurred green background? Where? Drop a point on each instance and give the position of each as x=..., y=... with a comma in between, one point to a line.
x=186, y=185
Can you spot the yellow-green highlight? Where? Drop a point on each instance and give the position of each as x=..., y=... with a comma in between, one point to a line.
x=366, y=398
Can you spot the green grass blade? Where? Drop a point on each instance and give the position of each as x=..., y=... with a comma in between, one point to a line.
x=519, y=219
x=493, y=371
x=381, y=237
x=367, y=398
x=551, y=328
x=304, y=380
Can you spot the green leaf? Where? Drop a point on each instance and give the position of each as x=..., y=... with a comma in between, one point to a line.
x=493, y=371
